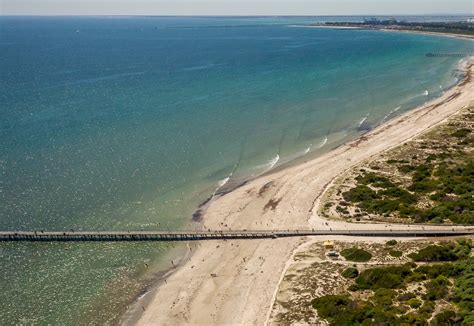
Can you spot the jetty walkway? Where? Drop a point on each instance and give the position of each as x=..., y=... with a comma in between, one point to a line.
x=227, y=234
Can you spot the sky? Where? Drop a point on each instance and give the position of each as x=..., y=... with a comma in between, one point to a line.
x=235, y=7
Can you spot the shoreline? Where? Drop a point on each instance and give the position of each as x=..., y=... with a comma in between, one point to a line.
x=207, y=258
x=454, y=35
x=201, y=208
x=143, y=299
x=232, y=281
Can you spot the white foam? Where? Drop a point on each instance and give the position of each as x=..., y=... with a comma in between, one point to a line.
x=296, y=46
x=306, y=151
x=272, y=162
x=325, y=140
x=142, y=296
x=269, y=165
x=208, y=66
x=390, y=113
x=426, y=93
x=363, y=120
x=222, y=182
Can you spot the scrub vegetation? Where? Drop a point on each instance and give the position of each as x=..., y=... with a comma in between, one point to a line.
x=428, y=180
x=356, y=254
x=438, y=293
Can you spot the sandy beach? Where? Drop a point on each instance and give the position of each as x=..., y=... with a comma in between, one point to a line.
x=396, y=30
x=235, y=282
x=469, y=37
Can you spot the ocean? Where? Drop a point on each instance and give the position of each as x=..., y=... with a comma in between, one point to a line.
x=129, y=123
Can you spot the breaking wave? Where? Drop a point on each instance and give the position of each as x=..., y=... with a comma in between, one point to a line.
x=363, y=120
x=390, y=113
x=325, y=140
x=272, y=163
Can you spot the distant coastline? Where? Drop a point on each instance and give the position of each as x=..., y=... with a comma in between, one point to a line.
x=464, y=29
x=395, y=30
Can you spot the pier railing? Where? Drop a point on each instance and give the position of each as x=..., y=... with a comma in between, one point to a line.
x=219, y=235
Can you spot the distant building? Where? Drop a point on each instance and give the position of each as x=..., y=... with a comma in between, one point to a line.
x=470, y=20
x=371, y=20
x=392, y=21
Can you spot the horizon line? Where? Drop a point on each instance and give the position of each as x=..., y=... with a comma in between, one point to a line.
x=223, y=15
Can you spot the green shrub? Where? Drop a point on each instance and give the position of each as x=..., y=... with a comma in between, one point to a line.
x=350, y=272
x=401, y=309
x=340, y=310
x=395, y=253
x=424, y=186
x=427, y=308
x=392, y=242
x=412, y=319
x=406, y=168
x=356, y=254
x=328, y=205
x=468, y=320
x=435, y=270
x=390, y=277
x=406, y=296
x=353, y=288
x=342, y=210
x=400, y=194
x=330, y=305
x=461, y=133
x=434, y=253
x=463, y=248
x=414, y=303
x=374, y=180
x=359, y=193
x=422, y=171
x=437, y=288
x=447, y=317
x=384, y=297
x=464, y=287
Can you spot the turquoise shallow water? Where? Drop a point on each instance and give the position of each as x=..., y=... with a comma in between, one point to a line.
x=130, y=123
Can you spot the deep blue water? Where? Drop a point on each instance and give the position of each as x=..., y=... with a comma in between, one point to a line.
x=129, y=123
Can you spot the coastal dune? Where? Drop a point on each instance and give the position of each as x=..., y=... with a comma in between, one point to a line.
x=234, y=282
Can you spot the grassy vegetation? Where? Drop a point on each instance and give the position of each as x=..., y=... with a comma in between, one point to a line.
x=391, y=301
x=356, y=254
x=439, y=179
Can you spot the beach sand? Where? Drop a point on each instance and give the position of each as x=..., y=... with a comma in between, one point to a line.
x=462, y=36
x=235, y=282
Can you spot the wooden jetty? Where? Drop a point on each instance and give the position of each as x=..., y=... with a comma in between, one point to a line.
x=224, y=234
